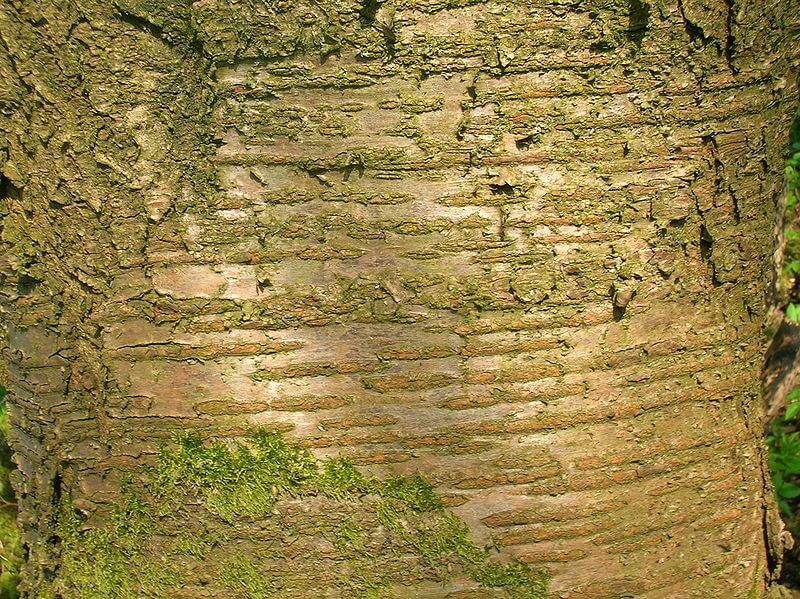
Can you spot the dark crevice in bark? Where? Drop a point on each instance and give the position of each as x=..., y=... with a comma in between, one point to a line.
x=9, y=190
x=26, y=285
x=726, y=47
x=185, y=37
x=600, y=47
x=57, y=489
x=638, y=21
x=80, y=20
x=706, y=243
x=466, y=107
x=505, y=189
x=524, y=143
x=390, y=38
x=719, y=175
x=56, y=496
x=355, y=164
x=501, y=66
x=368, y=11
x=695, y=32
x=472, y=90
x=58, y=485
x=503, y=226
x=141, y=24
x=737, y=215
x=730, y=41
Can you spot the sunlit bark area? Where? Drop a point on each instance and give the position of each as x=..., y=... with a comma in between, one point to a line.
x=519, y=248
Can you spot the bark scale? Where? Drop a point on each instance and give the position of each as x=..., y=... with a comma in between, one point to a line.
x=521, y=247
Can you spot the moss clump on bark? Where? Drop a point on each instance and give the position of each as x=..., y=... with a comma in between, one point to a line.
x=11, y=557
x=241, y=575
x=111, y=562
x=11, y=552
x=373, y=536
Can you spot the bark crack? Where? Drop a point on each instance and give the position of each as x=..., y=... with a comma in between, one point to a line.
x=638, y=21
x=695, y=31
x=369, y=10
x=140, y=23
x=730, y=40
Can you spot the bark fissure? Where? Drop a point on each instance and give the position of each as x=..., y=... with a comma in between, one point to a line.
x=695, y=32
x=141, y=24
x=638, y=21
x=730, y=40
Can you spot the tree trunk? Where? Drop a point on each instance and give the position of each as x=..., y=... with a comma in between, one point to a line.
x=521, y=248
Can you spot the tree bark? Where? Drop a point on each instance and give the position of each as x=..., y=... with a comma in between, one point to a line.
x=522, y=248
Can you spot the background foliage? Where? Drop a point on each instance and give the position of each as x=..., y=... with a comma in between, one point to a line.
x=783, y=439
x=10, y=546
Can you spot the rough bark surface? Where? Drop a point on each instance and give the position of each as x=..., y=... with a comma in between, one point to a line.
x=521, y=247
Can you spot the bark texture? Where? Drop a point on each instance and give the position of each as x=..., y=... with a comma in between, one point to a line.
x=521, y=247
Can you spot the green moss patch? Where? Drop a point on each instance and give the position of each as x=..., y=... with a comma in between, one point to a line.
x=11, y=558
x=264, y=518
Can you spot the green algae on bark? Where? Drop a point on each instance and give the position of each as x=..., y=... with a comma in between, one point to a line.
x=265, y=483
